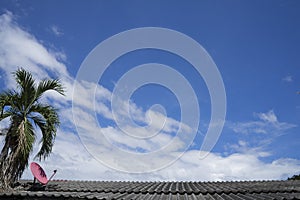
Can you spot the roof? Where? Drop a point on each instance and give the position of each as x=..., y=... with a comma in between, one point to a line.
x=157, y=190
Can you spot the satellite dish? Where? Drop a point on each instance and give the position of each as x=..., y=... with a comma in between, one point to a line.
x=39, y=173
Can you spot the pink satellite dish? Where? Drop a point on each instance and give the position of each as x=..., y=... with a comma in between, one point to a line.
x=39, y=173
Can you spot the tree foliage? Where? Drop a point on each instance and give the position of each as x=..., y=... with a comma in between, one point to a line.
x=295, y=177
x=26, y=113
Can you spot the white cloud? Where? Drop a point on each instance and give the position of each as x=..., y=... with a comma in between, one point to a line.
x=268, y=117
x=56, y=30
x=288, y=79
x=126, y=134
x=255, y=136
x=267, y=123
x=19, y=48
x=73, y=162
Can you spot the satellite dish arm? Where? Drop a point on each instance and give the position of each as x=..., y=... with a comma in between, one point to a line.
x=54, y=172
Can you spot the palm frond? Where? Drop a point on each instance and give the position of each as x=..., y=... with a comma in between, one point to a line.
x=9, y=104
x=6, y=99
x=7, y=114
x=26, y=84
x=39, y=121
x=46, y=85
x=48, y=122
x=24, y=78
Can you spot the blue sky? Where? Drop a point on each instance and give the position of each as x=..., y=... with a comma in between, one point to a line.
x=254, y=44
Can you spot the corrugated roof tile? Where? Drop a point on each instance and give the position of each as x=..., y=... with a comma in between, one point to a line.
x=246, y=190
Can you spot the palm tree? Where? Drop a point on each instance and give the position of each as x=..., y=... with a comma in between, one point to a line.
x=26, y=114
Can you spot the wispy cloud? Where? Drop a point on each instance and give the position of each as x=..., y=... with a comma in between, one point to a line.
x=56, y=30
x=288, y=79
x=255, y=136
x=21, y=49
x=266, y=123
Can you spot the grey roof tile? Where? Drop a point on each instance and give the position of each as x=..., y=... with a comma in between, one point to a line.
x=214, y=196
x=245, y=190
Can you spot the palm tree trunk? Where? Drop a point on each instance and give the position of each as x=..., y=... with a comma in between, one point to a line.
x=4, y=183
x=12, y=166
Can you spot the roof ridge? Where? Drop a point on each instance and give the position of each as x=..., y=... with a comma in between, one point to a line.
x=157, y=181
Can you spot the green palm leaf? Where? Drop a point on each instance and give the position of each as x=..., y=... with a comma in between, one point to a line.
x=46, y=85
